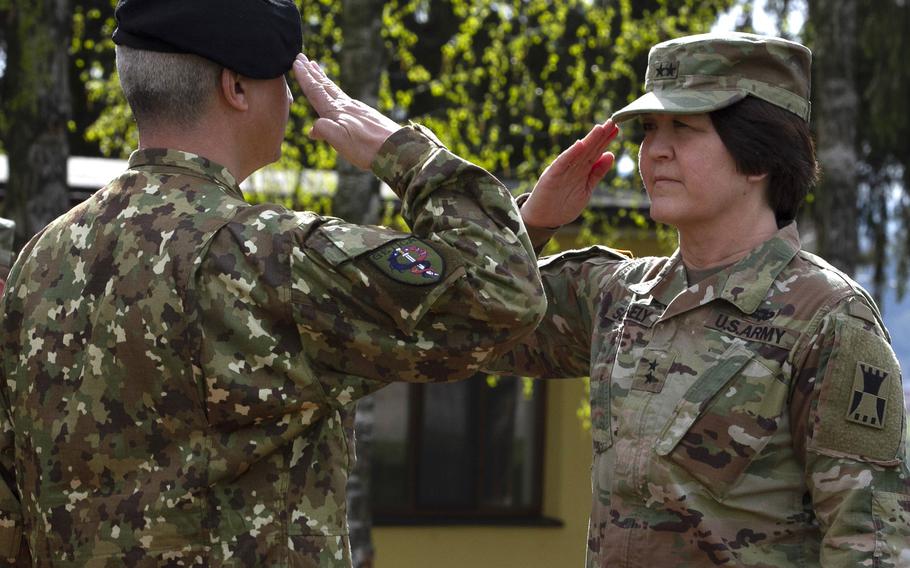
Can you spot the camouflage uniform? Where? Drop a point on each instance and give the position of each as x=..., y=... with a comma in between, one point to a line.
x=176, y=362
x=755, y=418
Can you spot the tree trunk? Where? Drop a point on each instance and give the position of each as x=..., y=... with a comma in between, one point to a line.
x=835, y=111
x=36, y=101
x=362, y=59
x=357, y=200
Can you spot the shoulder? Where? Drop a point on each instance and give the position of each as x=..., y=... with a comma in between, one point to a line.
x=601, y=256
x=597, y=268
x=821, y=276
x=595, y=254
x=264, y=233
x=820, y=287
x=859, y=412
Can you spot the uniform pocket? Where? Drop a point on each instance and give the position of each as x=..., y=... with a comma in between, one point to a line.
x=724, y=420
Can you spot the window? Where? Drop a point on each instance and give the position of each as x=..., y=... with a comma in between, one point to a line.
x=464, y=451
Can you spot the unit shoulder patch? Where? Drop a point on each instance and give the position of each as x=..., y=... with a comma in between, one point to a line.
x=860, y=412
x=867, y=407
x=409, y=261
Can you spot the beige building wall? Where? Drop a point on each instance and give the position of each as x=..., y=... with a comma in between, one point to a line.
x=566, y=497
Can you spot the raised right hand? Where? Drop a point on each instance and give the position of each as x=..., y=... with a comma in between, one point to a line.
x=565, y=187
x=354, y=129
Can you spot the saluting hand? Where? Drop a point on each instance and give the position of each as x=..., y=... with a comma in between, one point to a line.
x=354, y=129
x=565, y=187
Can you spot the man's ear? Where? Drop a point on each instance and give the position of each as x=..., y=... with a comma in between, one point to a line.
x=233, y=89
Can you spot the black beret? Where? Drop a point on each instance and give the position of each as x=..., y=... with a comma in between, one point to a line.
x=256, y=38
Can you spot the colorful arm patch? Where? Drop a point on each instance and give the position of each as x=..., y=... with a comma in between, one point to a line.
x=401, y=274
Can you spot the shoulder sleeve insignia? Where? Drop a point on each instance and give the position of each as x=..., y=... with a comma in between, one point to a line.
x=409, y=261
x=868, y=403
x=860, y=411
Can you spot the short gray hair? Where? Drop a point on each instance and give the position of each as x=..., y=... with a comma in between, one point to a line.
x=169, y=88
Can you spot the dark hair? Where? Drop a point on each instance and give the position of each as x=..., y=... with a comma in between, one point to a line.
x=766, y=139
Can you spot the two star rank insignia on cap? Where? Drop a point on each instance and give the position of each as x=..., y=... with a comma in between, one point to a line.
x=410, y=261
x=867, y=406
x=665, y=70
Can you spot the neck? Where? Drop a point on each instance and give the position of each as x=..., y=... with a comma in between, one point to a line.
x=216, y=144
x=704, y=247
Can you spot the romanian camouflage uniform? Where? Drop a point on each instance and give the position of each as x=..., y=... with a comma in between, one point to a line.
x=755, y=418
x=177, y=362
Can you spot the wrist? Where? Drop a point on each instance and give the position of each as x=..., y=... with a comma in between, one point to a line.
x=539, y=236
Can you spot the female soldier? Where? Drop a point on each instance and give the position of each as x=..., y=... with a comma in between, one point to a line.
x=746, y=405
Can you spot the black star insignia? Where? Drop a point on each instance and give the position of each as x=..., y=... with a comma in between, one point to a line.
x=666, y=70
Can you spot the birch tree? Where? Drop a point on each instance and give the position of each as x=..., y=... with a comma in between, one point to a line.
x=357, y=200
x=835, y=113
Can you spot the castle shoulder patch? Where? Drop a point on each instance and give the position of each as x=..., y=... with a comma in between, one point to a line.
x=860, y=412
x=869, y=400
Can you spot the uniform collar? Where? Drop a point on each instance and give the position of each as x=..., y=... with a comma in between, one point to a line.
x=198, y=165
x=744, y=284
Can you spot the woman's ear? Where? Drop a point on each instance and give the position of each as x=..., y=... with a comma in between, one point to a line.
x=233, y=90
x=757, y=178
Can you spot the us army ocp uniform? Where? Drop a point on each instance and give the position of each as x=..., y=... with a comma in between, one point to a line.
x=755, y=418
x=176, y=362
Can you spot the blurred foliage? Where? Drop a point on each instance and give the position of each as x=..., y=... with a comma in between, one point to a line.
x=506, y=84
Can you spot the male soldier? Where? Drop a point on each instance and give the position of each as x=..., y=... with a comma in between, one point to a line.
x=177, y=363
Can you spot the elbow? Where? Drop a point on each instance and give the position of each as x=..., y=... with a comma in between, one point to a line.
x=521, y=306
x=537, y=307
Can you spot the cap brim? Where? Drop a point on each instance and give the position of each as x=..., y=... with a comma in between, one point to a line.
x=677, y=102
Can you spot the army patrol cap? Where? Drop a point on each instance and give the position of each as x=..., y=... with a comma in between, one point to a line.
x=256, y=38
x=706, y=72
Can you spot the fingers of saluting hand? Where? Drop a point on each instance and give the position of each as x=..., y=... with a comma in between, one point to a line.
x=596, y=141
x=585, y=152
x=322, y=93
x=330, y=87
x=313, y=89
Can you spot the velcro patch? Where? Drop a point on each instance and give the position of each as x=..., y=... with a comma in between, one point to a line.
x=866, y=406
x=860, y=412
x=644, y=315
x=653, y=368
x=762, y=332
x=409, y=261
x=665, y=70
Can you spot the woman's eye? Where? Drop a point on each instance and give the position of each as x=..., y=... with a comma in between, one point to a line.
x=646, y=126
x=680, y=124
